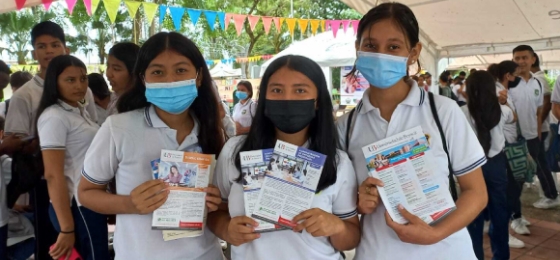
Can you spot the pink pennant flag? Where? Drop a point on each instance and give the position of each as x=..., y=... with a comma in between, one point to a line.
x=20, y=4
x=71, y=4
x=327, y=24
x=253, y=20
x=355, y=24
x=277, y=23
x=239, y=20
x=335, y=25
x=267, y=22
x=345, y=24
x=47, y=4
x=227, y=20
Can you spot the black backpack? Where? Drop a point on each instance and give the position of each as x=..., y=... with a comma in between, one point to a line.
x=27, y=170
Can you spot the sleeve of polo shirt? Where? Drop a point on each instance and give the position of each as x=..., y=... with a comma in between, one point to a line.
x=100, y=164
x=465, y=151
x=540, y=100
x=225, y=166
x=556, y=92
x=507, y=113
x=92, y=111
x=52, y=131
x=253, y=108
x=344, y=204
x=18, y=118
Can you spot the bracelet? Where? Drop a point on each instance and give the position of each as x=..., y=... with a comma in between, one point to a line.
x=67, y=232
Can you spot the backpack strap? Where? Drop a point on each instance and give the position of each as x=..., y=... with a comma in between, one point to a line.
x=349, y=128
x=452, y=187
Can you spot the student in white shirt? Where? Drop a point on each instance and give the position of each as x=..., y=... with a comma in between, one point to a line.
x=547, y=106
x=102, y=96
x=65, y=132
x=387, y=44
x=17, y=79
x=120, y=64
x=528, y=100
x=170, y=106
x=294, y=106
x=460, y=92
x=244, y=111
x=487, y=118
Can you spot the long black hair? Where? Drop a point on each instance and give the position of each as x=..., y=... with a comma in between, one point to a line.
x=323, y=137
x=205, y=107
x=51, y=95
x=401, y=15
x=483, y=106
x=506, y=67
x=127, y=52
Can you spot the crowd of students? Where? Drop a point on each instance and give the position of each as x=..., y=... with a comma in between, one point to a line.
x=164, y=98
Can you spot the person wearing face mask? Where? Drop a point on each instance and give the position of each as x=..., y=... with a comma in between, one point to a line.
x=171, y=106
x=387, y=44
x=244, y=111
x=295, y=107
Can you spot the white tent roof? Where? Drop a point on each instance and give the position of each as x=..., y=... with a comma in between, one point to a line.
x=224, y=71
x=10, y=5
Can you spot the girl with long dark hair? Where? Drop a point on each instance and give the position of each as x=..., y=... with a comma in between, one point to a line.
x=487, y=118
x=65, y=132
x=171, y=106
x=294, y=106
x=120, y=66
x=387, y=45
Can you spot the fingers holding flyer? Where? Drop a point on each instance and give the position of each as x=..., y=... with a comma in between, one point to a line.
x=318, y=223
x=368, y=195
x=213, y=198
x=148, y=196
x=416, y=231
x=241, y=230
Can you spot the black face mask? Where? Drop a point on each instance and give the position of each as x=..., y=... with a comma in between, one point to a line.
x=513, y=84
x=290, y=116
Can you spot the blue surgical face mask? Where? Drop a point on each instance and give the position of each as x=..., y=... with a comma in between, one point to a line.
x=381, y=70
x=241, y=95
x=174, y=98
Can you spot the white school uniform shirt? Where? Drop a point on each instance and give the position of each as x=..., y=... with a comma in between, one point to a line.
x=555, y=98
x=123, y=148
x=527, y=98
x=5, y=177
x=379, y=241
x=510, y=129
x=546, y=91
x=103, y=113
x=244, y=113
x=498, y=140
x=67, y=128
x=455, y=90
x=338, y=199
x=25, y=102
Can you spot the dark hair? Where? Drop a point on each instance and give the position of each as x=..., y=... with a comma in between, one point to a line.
x=523, y=48
x=400, y=14
x=472, y=70
x=173, y=166
x=427, y=74
x=248, y=85
x=4, y=68
x=19, y=78
x=205, y=106
x=2, y=122
x=537, y=63
x=47, y=28
x=51, y=94
x=98, y=85
x=462, y=73
x=323, y=137
x=494, y=70
x=444, y=76
x=483, y=106
x=504, y=68
x=127, y=52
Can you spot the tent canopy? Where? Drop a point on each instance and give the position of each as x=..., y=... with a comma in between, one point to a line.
x=223, y=71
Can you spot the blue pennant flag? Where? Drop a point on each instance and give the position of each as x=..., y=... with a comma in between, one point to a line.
x=222, y=19
x=177, y=15
x=211, y=18
x=194, y=15
x=162, y=13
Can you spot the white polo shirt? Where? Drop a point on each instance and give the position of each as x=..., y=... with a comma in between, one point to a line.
x=103, y=113
x=244, y=113
x=455, y=90
x=123, y=148
x=527, y=98
x=379, y=241
x=555, y=98
x=546, y=91
x=25, y=102
x=67, y=128
x=498, y=140
x=510, y=129
x=5, y=176
x=338, y=199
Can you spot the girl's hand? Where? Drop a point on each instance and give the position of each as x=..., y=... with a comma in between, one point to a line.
x=318, y=223
x=416, y=231
x=63, y=246
x=213, y=198
x=241, y=230
x=149, y=196
x=368, y=195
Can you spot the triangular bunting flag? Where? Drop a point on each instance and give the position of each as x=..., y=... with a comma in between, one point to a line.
x=355, y=24
x=291, y=22
x=335, y=25
x=20, y=4
x=227, y=20
x=277, y=23
x=253, y=20
x=112, y=8
x=239, y=20
x=132, y=7
x=150, y=11
x=345, y=25
x=323, y=25
x=210, y=18
x=71, y=4
x=47, y=3
x=162, y=13
x=327, y=25
x=267, y=21
x=94, y=5
x=222, y=19
x=303, y=25
x=194, y=14
x=177, y=16
x=314, y=26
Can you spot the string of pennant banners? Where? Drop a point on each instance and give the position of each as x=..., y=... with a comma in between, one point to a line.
x=224, y=19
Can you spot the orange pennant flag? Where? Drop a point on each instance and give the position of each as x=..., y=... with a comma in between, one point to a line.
x=227, y=20
x=303, y=25
x=291, y=22
x=239, y=20
x=267, y=21
x=314, y=26
x=277, y=23
x=253, y=20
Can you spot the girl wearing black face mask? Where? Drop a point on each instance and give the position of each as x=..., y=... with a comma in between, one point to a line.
x=295, y=107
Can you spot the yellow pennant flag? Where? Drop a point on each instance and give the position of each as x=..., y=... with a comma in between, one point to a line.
x=112, y=8
x=281, y=23
x=323, y=25
x=94, y=5
x=303, y=25
x=132, y=7
x=291, y=22
x=150, y=10
x=314, y=26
